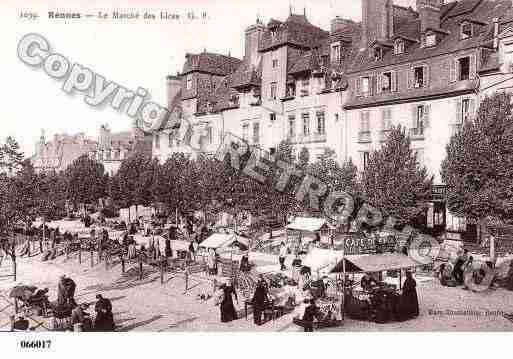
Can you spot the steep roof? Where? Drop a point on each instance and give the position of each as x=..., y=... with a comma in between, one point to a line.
x=211, y=63
x=482, y=11
x=296, y=30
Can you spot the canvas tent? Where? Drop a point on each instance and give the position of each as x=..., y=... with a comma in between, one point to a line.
x=375, y=263
x=306, y=224
x=322, y=259
x=224, y=240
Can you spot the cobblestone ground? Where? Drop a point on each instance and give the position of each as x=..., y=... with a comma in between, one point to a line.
x=147, y=305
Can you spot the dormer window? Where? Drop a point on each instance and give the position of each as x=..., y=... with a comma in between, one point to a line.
x=466, y=31
x=430, y=39
x=378, y=53
x=335, y=52
x=399, y=47
x=188, y=84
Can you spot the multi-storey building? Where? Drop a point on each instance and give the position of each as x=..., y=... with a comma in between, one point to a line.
x=425, y=69
x=112, y=148
x=58, y=153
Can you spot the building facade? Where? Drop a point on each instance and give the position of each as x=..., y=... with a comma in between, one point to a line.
x=425, y=69
x=58, y=153
x=112, y=148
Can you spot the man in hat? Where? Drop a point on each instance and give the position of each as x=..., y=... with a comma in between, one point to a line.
x=282, y=256
x=104, y=320
x=260, y=300
x=80, y=316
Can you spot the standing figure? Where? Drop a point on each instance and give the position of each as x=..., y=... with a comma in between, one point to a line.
x=282, y=256
x=311, y=312
x=260, y=300
x=211, y=262
x=410, y=301
x=228, y=312
x=104, y=321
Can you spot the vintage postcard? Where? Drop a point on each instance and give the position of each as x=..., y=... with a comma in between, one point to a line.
x=256, y=166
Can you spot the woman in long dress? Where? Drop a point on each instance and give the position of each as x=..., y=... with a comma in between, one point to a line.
x=410, y=301
x=228, y=312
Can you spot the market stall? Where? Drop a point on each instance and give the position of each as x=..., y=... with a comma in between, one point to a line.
x=378, y=299
x=304, y=231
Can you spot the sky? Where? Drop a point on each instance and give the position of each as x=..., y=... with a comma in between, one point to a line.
x=133, y=53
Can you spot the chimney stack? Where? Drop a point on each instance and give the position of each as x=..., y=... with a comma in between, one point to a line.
x=174, y=84
x=377, y=21
x=429, y=12
x=495, y=33
x=253, y=34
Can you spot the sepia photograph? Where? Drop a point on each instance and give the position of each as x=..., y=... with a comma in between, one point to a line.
x=255, y=167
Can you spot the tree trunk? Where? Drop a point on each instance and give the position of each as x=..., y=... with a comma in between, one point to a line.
x=13, y=257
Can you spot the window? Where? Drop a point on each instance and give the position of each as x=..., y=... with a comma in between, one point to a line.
x=305, y=87
x=465, y=31
x=256, y=133
x=292, y=126
x=364, y=134
x=399, y=47
x=325, y=60
x=273, y=90
x=365, y=89
x=464, y=66
x=209, y=135
x=464, y=112
x=321, y=123
x=418, y=75
x=116, y=154
x=275, y=63
x=386, y=82
x=274, y=32
x=430, y=40
x=419, y=120
x=335, y=52
x=291, y=90
x=365, y=160
x=306, y=124
x=245, y=131
x=272, y=117
x=188, y=83
x=171, y=138
x=387, y=119
x=157, y=141
x=378, y=53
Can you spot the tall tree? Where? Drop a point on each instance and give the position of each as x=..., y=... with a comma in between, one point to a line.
x=394, y=182
x=478, y=169
x=86, y=182
x=11, y=157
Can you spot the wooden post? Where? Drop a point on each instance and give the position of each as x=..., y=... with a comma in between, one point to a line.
x=14, y=262
x=91, y=252
x=106, y=258
x=16, y=306
x=11, y=321
x=344, y=278
x=400, y=278
x=140, y=269
x=28, y=246
x=80, y=251
x=161, y=271
x=122, y=264
x=186, y=280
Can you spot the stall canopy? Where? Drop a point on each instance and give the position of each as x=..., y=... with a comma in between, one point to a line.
x=375, y=263
x=319, y=259
x=219, y=240
x=306, y=224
